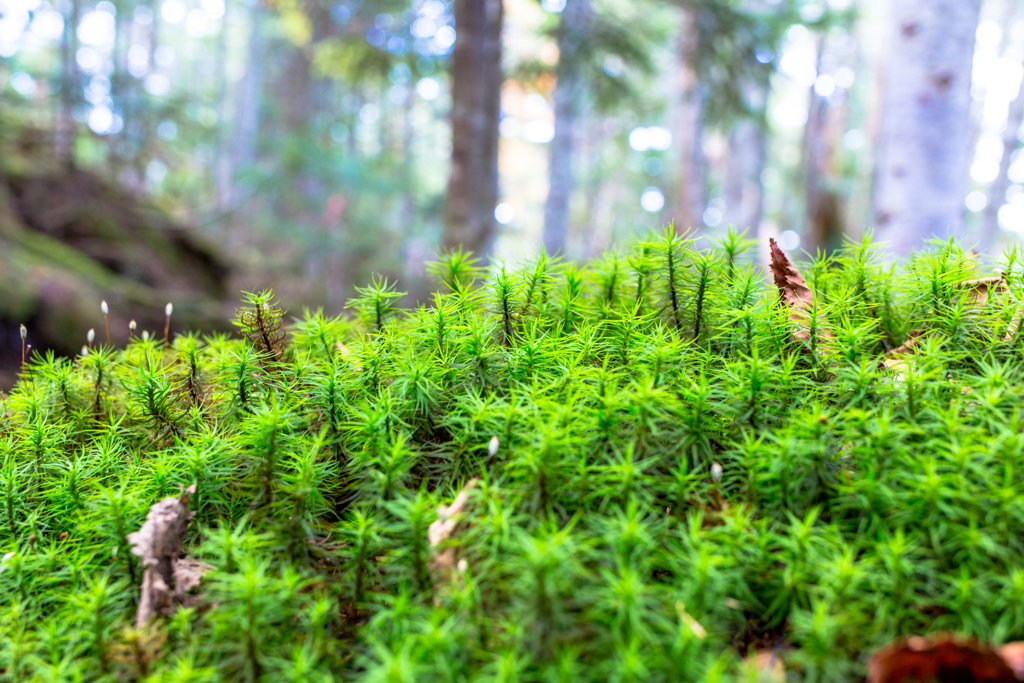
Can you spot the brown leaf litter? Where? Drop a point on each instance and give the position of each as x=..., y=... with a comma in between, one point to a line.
x=798, y=297
x=167, y=578
x=946, y=658
x=764, y=666
x=979, y=291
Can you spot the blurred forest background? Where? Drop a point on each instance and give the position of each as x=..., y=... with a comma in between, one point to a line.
x=155, y=150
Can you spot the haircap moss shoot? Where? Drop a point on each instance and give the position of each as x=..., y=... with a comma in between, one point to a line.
x=168, y=309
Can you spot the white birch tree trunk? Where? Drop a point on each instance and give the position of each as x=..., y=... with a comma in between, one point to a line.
x=922, y=169
x=997, y=191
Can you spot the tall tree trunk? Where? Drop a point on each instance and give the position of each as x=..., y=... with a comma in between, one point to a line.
x=922, y=164
x=297, y=89
x=689, y=128
x=569, y=89
x=997, y=193
x=476, y=107
x=249, y=94
x=222, y=163
x=68, y=82
x=818, y=228
x=743, y=196
x=118, y=144
x=593, y=242
x=145, y=121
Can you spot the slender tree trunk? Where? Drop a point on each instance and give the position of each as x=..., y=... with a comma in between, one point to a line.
x=997, y=193
x=922, y=164
x=814, y=153
x=408, y=211
x=743, y=195
x=145, y=119
x=476, y=106
x=118, y=144
x=297, y=88
x=591, y=243
x=222, y=163
x=689, y=128
x=69, y=81
x=569, y=90
x=249, y=94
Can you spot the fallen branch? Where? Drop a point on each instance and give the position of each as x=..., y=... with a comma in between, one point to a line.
x=166, y=578
x=448, y=517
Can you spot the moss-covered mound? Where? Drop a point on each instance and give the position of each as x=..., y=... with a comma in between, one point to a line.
x=640, y=470
x=69, y=238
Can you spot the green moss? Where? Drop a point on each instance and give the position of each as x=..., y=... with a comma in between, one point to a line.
x=665, y=478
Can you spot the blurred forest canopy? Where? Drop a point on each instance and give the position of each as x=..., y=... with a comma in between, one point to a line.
x=318, y=141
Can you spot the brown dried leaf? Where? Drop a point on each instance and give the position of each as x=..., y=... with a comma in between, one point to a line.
x=765, y=666
x=908, y=346
x=158, y=543
x=979, y=292
x=1013, y=655
x=981, y=289
x=942, y=658
x=795, y=293
x=894, y=360
x=346, y=354
x=1011, y=330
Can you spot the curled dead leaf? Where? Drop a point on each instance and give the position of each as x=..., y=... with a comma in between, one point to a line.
x=982, y=289
x=940, y=658
x=794, y=292
x=979, y=291
x=908, y=347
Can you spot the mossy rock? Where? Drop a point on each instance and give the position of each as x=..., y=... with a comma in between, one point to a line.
x=69, y=239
